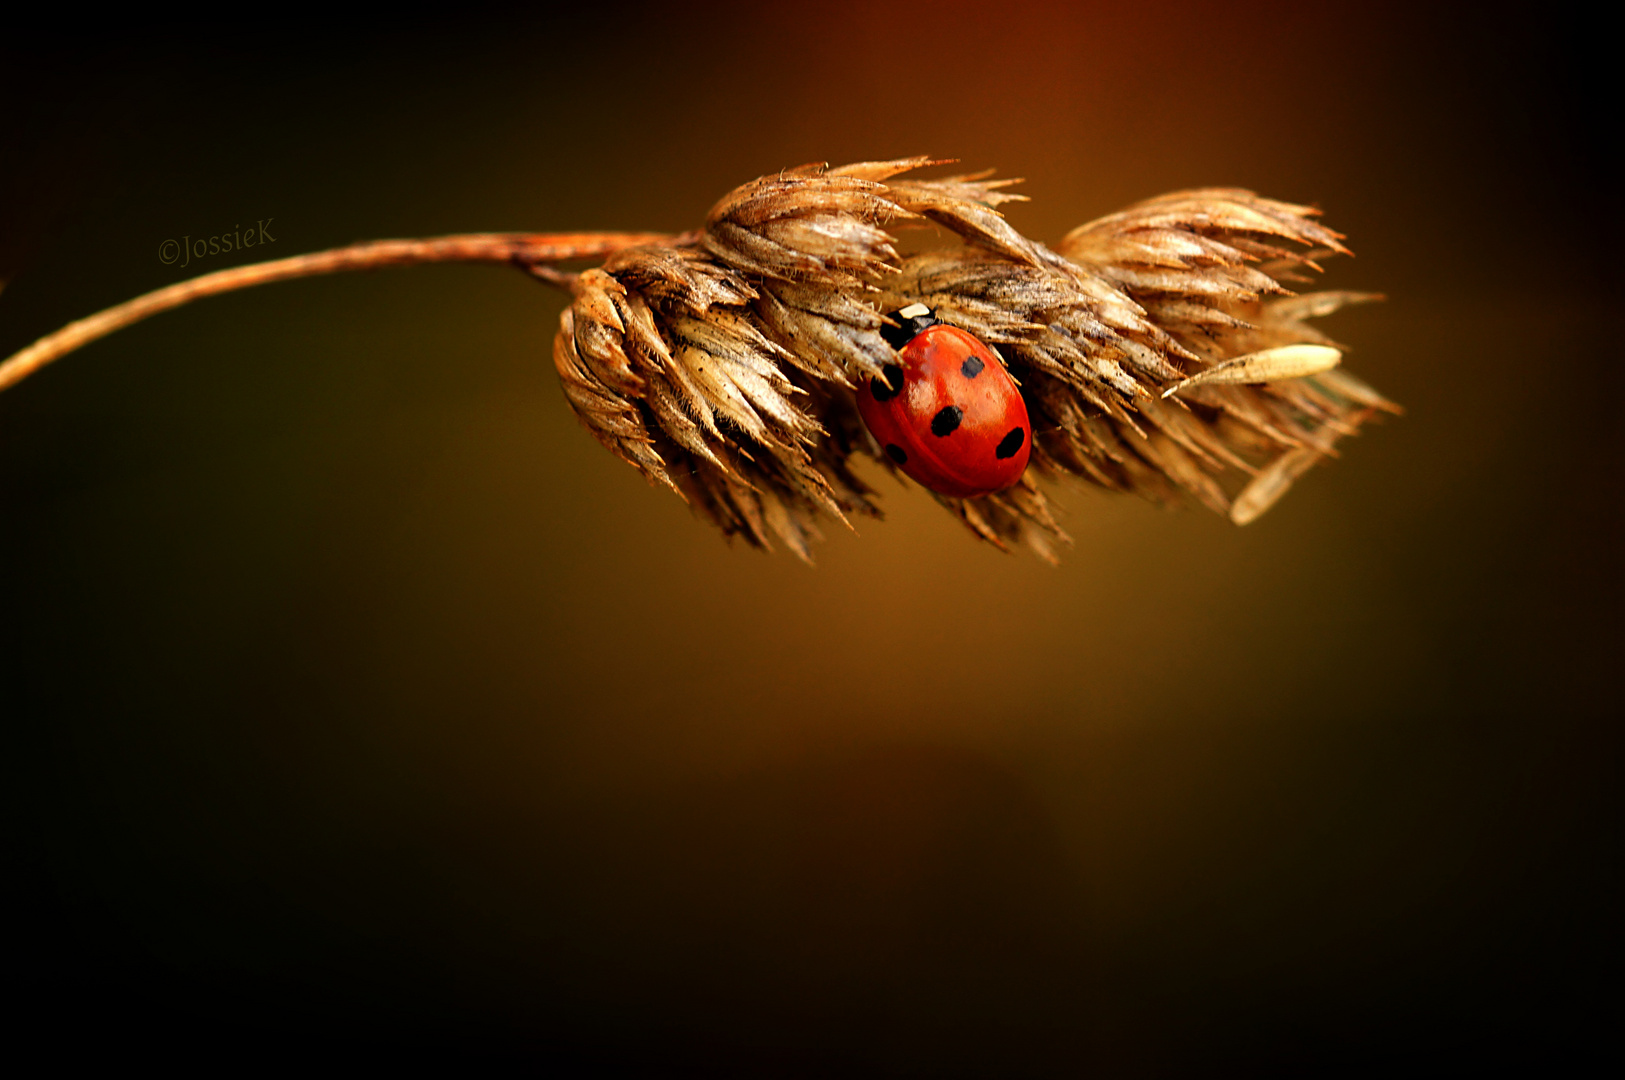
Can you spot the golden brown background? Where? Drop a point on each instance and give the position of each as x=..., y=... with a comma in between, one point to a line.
x=356, y=698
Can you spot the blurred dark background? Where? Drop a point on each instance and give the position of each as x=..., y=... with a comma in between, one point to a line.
x=356, y=702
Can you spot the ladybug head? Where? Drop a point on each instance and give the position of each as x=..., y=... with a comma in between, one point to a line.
x=910, y=321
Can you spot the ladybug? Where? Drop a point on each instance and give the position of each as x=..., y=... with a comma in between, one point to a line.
x=948, y=414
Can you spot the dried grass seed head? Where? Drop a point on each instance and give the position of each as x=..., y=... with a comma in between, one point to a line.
x=724, y=365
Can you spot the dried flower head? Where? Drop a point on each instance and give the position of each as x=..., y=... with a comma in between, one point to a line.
x=1158, y=349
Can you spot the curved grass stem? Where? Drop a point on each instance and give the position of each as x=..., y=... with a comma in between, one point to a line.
x=527, y=251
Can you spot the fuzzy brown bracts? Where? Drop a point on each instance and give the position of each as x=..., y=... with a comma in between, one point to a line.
x=724, y=364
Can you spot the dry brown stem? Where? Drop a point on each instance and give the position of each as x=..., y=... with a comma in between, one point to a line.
x=519, y=249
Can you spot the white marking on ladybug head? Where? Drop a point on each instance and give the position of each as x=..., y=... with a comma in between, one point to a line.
x=914, y=311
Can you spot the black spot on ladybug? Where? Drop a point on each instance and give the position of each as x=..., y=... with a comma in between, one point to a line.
x=896, y=453
x=1010, y=444
x=946, y=422
x=972, y=367
x=885, y=391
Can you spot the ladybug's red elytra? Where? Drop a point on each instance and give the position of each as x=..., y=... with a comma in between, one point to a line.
x=949, y=415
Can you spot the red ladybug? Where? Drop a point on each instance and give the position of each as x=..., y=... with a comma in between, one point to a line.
x=949, y=415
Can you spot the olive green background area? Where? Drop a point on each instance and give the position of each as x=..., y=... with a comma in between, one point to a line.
x=355, y=696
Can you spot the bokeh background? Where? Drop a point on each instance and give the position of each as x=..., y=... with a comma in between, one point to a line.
x=356, y=699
